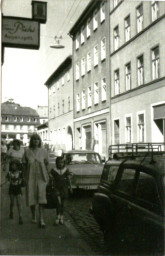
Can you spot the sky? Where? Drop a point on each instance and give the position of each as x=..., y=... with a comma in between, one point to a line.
x=24, y=72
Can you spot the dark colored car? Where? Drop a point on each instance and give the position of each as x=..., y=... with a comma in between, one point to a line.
x=86, y=167
x=129, y=203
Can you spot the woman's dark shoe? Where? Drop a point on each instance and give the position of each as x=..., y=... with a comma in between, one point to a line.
x=42, y=224
x=20, y=220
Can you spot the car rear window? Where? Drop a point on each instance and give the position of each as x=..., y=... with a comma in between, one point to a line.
x=109, y=173
x=127, y=181
x=90, y=158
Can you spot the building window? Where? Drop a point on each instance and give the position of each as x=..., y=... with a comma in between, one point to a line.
x=139, y=14
x=69, y=103
x=140, y=64
x=88, y=28
x=116, y=38
x=6, y=127
x=62, y=81
x=82, y=35
x=128, y=129
x=127, y=29
x=77, y=72
x=77, y=42
x=82, y=66
x=78, y=102
x=154, y=10
x=95, y=21
x=116, y=131
x=58, y=108
x=68, y=76
x=6, y=118
x=155, y=63
x=63, y=106
x=103, y=90
x=15, y=119
x=117, y=82
x=88, y=62
x=89, y=97
x=95, y=55
x=128, y=76
x=83, y=99
x=102, y=12
x=103, y=49
x=115, y=3
x=53, y=89
x=141, y=127
x=96, y=93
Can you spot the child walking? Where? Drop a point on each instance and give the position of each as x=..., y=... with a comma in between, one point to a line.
x=61, y=178
x=15, y=178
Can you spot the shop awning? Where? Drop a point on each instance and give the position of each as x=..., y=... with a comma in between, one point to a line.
x=159, y=112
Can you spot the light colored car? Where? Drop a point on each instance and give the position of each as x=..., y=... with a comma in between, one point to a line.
x=52, y=160
x=86, y=167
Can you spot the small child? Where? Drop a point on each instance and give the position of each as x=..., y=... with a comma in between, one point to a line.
x=15, y=178
x=61, y=178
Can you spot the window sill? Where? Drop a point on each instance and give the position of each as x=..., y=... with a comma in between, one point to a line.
x=102, y=21
x=103, y=59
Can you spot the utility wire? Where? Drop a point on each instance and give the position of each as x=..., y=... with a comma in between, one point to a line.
x=66, y=17
x=71, y=16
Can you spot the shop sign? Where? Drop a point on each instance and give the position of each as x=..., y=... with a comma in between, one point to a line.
x=20, y=33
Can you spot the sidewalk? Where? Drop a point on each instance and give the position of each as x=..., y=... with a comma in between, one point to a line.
x=28, y=239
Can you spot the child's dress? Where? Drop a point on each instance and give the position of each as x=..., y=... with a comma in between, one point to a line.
x=61, y=180
x=16, y=180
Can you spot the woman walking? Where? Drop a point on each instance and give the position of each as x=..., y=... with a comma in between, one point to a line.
x=36, y=176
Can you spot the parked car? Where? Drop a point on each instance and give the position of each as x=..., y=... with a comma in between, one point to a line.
x=129, y=203
x=52, y=159
x=86, y=167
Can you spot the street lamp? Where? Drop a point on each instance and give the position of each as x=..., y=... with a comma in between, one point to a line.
x=57, y=44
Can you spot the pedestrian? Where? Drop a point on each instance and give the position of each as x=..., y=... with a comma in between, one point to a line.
x=36, y=176
x=61, y=178
x=16, y=181
x=3, y=154
x=15, y=152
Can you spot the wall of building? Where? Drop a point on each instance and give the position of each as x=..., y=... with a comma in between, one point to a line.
x=61, y=110
x=138, y=99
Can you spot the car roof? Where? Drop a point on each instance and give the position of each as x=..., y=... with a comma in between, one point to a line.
x=155, y=163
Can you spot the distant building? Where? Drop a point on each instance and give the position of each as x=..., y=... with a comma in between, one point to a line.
x=17, y=122
x=42, y=130
x=43, y=113
x=60, y=102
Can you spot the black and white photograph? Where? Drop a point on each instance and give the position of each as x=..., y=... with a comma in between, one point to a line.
x=82, y=127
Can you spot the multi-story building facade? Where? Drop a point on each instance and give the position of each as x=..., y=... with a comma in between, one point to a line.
x=137, y=57
x=17, y=122
x=42, y=131
x=60, y=106
x=91, y=85
x=43, y=113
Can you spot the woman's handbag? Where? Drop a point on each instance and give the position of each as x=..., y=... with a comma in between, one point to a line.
x=51, y=195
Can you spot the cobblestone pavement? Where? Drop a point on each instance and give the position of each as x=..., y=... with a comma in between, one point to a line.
x=78, y=209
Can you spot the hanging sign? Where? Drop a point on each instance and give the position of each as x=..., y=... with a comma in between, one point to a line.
x=20, y=33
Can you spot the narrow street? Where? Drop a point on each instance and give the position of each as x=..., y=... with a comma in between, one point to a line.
x=78, y=236
x=78, y=209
